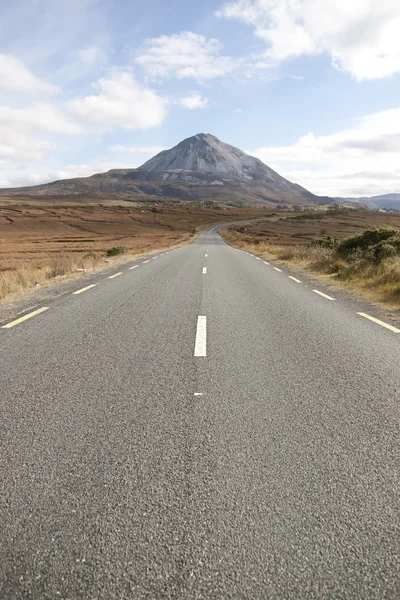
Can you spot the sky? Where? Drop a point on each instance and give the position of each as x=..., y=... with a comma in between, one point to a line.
x=311, y=87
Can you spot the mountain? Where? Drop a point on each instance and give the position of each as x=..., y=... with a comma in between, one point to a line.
x=388, y=201
x=205, y=153
x=198, y=168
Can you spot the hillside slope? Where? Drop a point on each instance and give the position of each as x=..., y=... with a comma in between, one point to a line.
x=389, y=201
x=199, y=168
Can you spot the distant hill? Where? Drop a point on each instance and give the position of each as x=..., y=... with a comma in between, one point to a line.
x=389, y=201
x=198, y=168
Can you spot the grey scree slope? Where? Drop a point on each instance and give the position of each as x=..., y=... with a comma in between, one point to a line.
x=206, y=154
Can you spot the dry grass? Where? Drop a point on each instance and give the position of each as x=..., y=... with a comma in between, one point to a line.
x=41, y=243
x=379, y=282
x=300, y=230
x=14, y=282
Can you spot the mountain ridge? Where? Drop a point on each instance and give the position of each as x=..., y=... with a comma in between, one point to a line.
x=388, y=201
x=201, y=167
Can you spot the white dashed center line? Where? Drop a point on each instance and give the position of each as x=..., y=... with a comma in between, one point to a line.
x=323, y=295
x=116, y=275
x=146, y=261
x=276, y=269
x=294, y=279
x=204, y=271
x=25, y=317
x=200, y=347
x=379, y=322
x=265, y=262
x=134, y=267
x=88, y=287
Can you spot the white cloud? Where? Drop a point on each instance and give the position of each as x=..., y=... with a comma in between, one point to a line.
x=362, y=160
x=121, y=102
x=20, y=177
x=185, y=55
x=137, y=149
x=25, y=176
x=83, y=170
x=16, y=77
x=91, y=55
x=39, y=118
x=19, y=129
x=361, y=36
x=6, y=165
x=193, y=101
x=17, y=146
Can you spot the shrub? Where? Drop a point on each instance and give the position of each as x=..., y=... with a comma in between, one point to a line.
x=60, y=265
x=396, y=291
x=384, y=250
x=306, y=216
x=91, y=259
x=115, y=250
x=330, y=241
x=375, y=244
x=367, y=240
x=91, y=256
x=339, y=266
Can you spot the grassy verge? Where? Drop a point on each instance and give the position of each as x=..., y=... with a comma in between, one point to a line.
x=367, y=263
x=45, y=243
x=17, y=281
x=63, y=266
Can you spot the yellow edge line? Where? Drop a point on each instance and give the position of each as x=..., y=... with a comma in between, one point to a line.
x=380, y=322
x=89, y=287
x=25, y=317
x=116, y=275
x=323, y=295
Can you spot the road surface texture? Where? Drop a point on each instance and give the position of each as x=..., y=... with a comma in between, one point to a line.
x=251, y=453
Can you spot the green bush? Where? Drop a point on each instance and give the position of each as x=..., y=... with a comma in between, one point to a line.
x=376, y=244
x=115, y=250
x=367, y=239
x=307, y=216
x=384, y=250
x=329, y=241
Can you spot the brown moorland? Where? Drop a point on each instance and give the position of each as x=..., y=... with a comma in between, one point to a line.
x=289, y=241
x=40, y=241
x=301, y=229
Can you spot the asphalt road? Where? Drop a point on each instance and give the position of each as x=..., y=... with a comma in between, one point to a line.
x=133, y=466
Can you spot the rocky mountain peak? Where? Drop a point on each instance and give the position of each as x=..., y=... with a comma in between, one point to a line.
x=205, y=153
